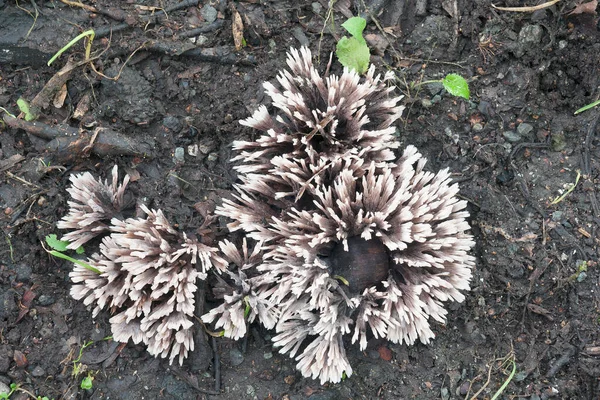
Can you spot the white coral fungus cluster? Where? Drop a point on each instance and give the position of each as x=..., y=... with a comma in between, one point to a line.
x=147, y=273
x=353, y=240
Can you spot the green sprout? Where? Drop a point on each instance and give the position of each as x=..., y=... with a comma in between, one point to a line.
x=90, y=34
x=353, y=52
x=59, y=246
x=78, y=367
x=571, y=188
x=587, y=107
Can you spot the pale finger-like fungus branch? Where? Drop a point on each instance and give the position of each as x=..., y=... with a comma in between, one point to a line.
x=94, y=203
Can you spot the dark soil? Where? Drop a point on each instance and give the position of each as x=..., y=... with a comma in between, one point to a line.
x=514, y=148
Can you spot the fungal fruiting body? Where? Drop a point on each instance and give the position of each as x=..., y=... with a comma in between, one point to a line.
x=147, y=272
x=353, y=239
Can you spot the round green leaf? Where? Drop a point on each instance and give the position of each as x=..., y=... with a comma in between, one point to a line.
x=456, y=85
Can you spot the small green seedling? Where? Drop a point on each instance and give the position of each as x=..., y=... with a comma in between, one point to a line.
x=90, y=34
x=88, y=381
x=454, y=84
x=24, y=107
x=353, y=52
x=587, y=107
x=59, y=246
x=571, y=188
x=78, y=367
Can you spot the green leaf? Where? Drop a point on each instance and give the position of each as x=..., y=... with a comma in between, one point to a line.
x=56, y=244
x=80, y=250
x=87, y=382
x=353, y=54
x=456, y=85
x=24, y=107
x=355, y=26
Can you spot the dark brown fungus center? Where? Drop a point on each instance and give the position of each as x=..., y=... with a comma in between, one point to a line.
x=365, y=264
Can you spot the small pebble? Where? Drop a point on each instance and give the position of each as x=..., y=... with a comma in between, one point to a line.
x=477, y=127
x=45, y=300
x=178, y=156
x=373, y=354
x=38, y=371
x=193, y=150
x=212, y=157
x=316, y=7
x=300, y=36
x=236, y=357
x=511, y=136
x=172, y=123
x=4, y=388
x=426, y=103
x=385, y=353
x=268, y=355
x=524, y=128
x=209, y=13
x=581, y=277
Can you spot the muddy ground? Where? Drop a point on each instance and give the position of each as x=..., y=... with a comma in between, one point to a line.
x=529, y=327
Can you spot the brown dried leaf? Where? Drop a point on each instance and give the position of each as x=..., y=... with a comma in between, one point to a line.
x=237, y=29
x=82, y=107
x=59, y=98
x=585, y=8
x=28, y=297
x=20, y=359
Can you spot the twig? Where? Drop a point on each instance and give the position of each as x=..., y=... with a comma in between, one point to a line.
x=216, y=364
x=527, y=9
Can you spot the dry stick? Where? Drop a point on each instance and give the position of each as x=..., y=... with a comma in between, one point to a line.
x=101, y=32
x=527, y=9
x=585, y=160
x=69, y=142
x=216, y=364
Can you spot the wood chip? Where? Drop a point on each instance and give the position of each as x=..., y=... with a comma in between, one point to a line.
x=237, y=28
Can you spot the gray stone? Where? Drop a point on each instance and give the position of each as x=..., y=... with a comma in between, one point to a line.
x=172, y=123
x=45, y=300
x=209, y=13
x=557, y=216
x=4, y=388
x=178, y=156
x=524, y=128
x=268, y=355
x=38, y=372
x=236, y=357
x=373, y=354
x=562, y=44
x=511, y=136
x=300, y=36
x=316, y=7
x=23, y=272
x=426, y=103
x=6, y=354
x=477, y=127
x=531, y=34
